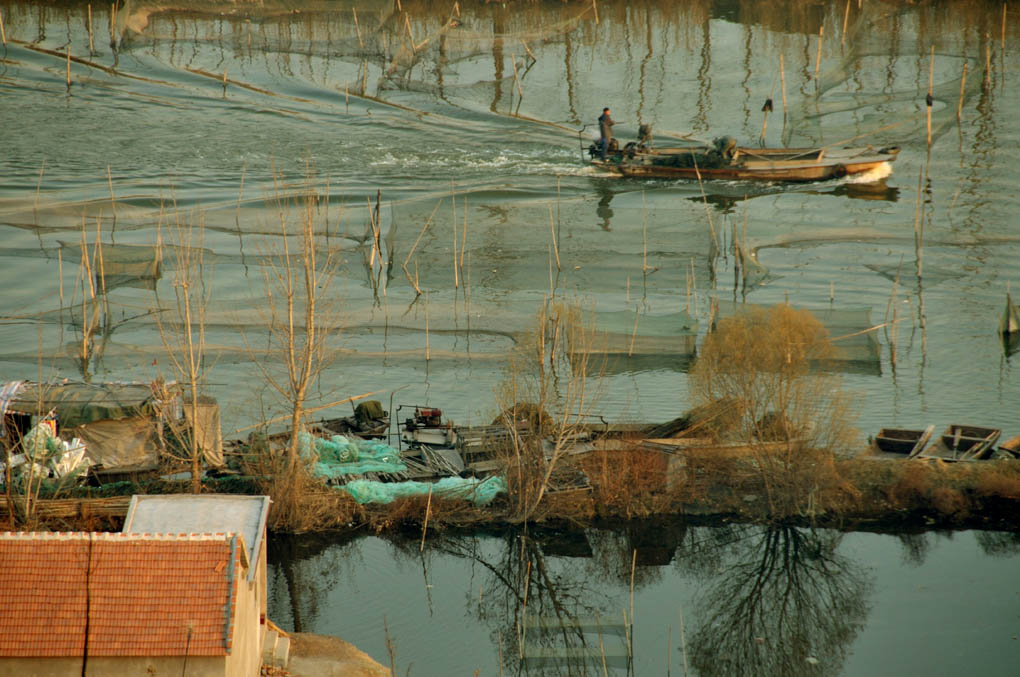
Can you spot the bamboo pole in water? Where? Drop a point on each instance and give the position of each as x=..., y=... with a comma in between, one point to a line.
x=988, y=59
x=595, y=6
x=69, y=65
x=3, y=35
x=414, y=282
x=644, y=236
x=602, y=647
x=38, y=187
x=517, y=79
x=528, y=50
x=357, y=27
x=931, y=86
x=113, y=199
x=425, y=526
x=633, y=566
x=782, y=81
x=818, y=55
x=552, y=234
x=959, y=105
x=1002, y=46
x=113, y=25
x=92, y=48
x=453, y=199
x=846, y=19
x=683, y=641
x=463, y=239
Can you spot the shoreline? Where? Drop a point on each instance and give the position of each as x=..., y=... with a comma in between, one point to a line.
x=854, y=494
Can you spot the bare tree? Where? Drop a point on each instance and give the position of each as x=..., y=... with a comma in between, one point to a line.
x=544, y=399
x=183, y=332
x=300, y=321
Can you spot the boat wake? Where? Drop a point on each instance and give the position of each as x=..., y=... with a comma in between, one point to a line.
x=877, y=174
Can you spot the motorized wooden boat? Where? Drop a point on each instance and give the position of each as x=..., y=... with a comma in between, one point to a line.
x=724, y=159
x=963, y=443
x=900, y=442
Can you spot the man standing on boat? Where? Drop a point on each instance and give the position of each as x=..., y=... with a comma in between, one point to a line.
x=606, y=131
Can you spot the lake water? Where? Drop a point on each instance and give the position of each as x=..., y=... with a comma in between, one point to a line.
x=737, y=600
x=464, y=135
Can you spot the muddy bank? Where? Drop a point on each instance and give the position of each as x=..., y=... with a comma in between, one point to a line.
x=314, y=655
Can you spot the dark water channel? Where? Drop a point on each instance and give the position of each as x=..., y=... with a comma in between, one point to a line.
x=460, y=135
x=737, y=600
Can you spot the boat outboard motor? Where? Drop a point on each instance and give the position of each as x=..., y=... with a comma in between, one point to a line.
x=644, y=135
x=726, y=146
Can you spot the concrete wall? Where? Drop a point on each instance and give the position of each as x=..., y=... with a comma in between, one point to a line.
x=245, y=659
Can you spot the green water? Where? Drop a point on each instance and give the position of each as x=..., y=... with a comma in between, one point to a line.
x=730, y=600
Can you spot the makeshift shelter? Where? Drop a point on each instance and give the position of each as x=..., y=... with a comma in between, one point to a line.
x=123, y=425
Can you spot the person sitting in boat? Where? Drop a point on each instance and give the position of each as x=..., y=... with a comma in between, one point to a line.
x=605, y=131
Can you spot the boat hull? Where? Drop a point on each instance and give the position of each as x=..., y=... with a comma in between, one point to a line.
x=787, y=165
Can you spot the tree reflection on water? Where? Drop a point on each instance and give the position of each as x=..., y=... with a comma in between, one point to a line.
x=769, y=600
x=783, y=602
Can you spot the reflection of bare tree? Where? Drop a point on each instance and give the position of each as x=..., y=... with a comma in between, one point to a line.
x=519, y=584
x=789, y=605
x=288, y=588
x=999, y=543
x=915, y=547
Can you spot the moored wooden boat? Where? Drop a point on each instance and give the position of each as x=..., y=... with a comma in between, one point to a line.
x=723, y=159
x=1010, y=448
x=963, y=443
x=900, y=442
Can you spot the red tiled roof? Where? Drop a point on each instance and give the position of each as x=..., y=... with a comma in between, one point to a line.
x=140, y=593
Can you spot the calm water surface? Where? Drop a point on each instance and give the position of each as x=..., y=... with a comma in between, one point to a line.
x=738, y=600
x=465, y=132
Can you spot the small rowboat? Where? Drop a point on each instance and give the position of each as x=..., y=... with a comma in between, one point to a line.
x=963, y=443
x=900, y=442
x=1010, y=449
x=724, y=159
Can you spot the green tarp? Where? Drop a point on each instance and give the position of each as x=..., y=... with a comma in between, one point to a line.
x=340, y=456
x=479, y=492
x=82, y=403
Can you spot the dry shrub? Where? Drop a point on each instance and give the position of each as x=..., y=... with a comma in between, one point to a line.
x=999, y=481
x=792, y=417
x=949, y=502
x=628, y=481
x=913, y=486
x=711, y=476
x=410, y=513
x=300, y=501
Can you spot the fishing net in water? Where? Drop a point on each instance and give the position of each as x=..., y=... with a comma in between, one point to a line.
x=850, y=330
